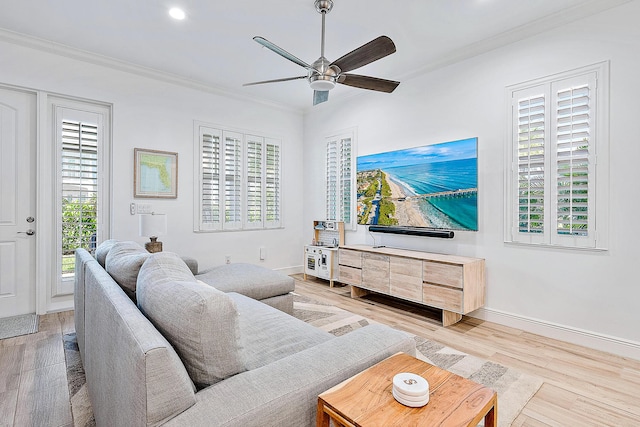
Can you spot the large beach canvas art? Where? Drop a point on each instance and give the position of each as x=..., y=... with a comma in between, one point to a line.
x=434, y=186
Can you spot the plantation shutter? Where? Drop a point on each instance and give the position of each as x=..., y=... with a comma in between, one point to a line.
x=530, y=136
x=79, y=176
x=254, y=186
x=238, y=179
x=339, y=179
x=345, y=180
x=332, y=180
x=553, y=174
x=573, y=159
x=272, y=183
x=232, y=180
x=210, y=179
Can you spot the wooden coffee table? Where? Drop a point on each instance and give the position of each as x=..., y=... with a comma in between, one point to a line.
x=366, y=399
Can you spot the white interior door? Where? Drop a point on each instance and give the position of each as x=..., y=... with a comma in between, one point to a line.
x=18, y=221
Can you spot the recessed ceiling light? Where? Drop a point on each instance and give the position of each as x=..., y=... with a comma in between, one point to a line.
x=177, y=13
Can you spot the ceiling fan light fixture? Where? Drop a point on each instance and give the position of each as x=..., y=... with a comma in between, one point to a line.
x=322, y=83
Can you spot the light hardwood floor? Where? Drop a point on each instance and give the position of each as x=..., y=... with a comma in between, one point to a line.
x=582, y=387
x=33, y=375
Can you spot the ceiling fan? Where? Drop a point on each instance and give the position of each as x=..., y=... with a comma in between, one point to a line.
x=323, y=75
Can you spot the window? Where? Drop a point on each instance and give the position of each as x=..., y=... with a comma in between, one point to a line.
x=340, y=179
x=558, y=154
x=82, y=141
x=239, y=180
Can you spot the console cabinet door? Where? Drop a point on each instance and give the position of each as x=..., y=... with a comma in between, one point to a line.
x=375, y=272
x=442, y=273
x=441, y=297
x=349, y=275
x=405, y=278
x=350, y=258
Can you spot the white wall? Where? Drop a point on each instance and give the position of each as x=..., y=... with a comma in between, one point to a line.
x=587, y=297
x=149, y=113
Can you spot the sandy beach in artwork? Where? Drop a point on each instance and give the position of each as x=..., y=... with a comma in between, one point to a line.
x=407, y=211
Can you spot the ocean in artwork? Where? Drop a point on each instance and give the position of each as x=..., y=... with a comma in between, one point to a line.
x=455, y=211
x=444, y=208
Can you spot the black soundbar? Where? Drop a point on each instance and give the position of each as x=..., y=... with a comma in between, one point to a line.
x=443, y=234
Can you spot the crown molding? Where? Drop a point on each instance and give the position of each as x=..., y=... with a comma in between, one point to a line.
x=48, y=46
x=515, y=35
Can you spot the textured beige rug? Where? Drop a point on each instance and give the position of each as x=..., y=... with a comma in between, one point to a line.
x=514, y=388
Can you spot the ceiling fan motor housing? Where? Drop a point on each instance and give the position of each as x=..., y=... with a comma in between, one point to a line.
x=324, y=76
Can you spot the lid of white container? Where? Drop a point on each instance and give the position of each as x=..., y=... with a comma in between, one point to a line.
x=408, y=384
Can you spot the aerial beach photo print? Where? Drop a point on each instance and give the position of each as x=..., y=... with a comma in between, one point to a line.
x=434, y=186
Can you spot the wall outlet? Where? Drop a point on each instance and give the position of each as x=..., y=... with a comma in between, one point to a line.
x=227, y=259
x=132, y=208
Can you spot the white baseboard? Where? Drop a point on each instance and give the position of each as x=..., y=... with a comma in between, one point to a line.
x=296, y=269
x=609, y=344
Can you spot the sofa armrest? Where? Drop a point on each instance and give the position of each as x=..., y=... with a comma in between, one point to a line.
x=286, y=392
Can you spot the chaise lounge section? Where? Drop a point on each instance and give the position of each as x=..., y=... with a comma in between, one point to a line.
x=189, y=354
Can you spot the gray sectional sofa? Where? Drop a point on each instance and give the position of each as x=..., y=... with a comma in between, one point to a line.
x=187, y=353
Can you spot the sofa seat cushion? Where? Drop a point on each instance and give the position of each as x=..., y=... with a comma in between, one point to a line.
x=251, y=280
x=268, y=334
x=123, y=263
x=199, y=321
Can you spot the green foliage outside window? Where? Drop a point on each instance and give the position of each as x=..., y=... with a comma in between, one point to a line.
x=79, y=226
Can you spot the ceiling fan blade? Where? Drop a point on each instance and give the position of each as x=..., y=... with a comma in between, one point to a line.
x=320, y=96
x=266, y=43
x=366, y=82
x=286, y=79
x=365, y=54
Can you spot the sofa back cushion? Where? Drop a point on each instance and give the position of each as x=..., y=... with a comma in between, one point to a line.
x=103, y=250
x=199, y=321
x=123, y=263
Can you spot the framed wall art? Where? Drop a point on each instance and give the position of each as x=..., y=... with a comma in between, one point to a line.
x=155, y=174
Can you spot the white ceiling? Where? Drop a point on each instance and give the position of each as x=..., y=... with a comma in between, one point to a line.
x=213, y=46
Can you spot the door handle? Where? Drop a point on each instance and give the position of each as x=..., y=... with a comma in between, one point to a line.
x=29, y=232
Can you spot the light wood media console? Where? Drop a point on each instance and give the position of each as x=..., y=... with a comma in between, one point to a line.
x=452, y=283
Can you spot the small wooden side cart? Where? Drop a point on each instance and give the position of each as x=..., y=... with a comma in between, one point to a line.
x=366, y=399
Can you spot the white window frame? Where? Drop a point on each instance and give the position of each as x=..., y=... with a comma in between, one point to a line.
x=234, y=148
x=100, y=114
x=340, y=177
x=596, y=77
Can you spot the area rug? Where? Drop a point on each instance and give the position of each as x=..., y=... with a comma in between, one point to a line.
x=514, y=388
x=78, y=392
x=18, y=325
